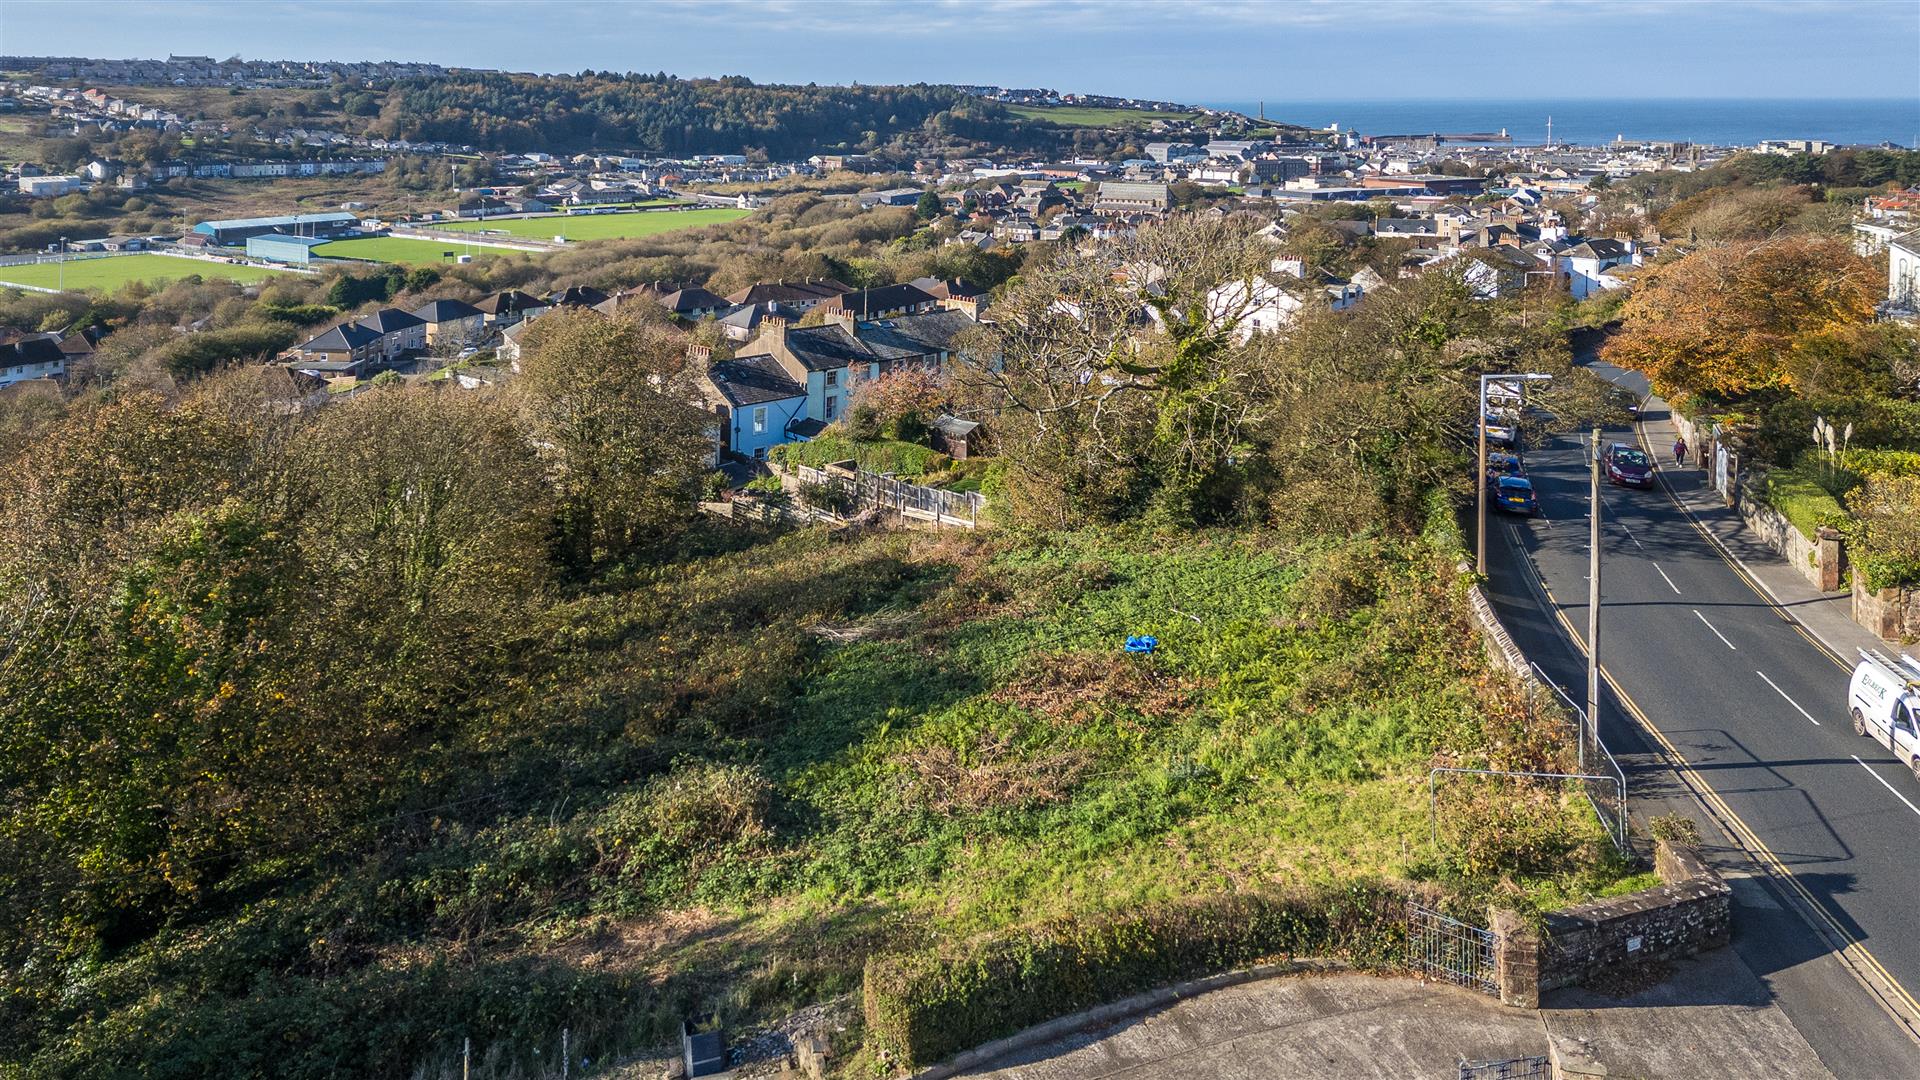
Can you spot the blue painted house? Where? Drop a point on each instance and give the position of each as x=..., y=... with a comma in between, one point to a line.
x=757, y=403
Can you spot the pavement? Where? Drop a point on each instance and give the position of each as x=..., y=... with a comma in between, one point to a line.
x=1712, y=1020
x=1725, y=702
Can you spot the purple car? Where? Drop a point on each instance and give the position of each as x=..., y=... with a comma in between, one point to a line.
x=1629, y=466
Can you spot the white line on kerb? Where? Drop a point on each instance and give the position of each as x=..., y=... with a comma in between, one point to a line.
x=1665, y=578
x=1884, y=784
x=1716, y=632
x=1790, y=701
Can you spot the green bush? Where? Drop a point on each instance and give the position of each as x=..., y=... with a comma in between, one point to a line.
x=874, y=455
x=927, y=1006
x=1799, y=497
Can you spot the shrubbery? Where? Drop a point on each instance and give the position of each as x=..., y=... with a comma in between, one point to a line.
x=927, y=1006
x=879, y=455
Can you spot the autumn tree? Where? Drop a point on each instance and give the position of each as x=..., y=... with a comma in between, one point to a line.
x=607, y=401
x=1730, y=321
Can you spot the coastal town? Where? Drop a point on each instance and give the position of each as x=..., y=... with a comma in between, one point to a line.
x=527, y=574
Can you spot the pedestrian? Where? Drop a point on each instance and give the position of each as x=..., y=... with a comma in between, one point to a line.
x=1679, y=451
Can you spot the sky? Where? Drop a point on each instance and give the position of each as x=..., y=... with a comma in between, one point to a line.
x=1199, y=51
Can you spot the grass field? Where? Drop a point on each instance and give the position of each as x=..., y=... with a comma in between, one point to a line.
x=602, y=226
x=401, y=250
x=1071, y=116
x=111, y=273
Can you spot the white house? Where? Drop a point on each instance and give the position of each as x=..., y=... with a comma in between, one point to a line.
x=37, y=357
x=1583, y=266
x=1903, y=271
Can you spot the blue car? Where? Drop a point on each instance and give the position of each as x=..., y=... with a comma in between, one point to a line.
x=1514, y=494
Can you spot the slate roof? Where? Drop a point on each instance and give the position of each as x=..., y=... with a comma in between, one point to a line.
x=439, y=311
x=753, y=380
x=343, y=338
x=883, y=299
x=578, y=296
x=511, y=302
x=915, y=335
x=946, y=290
x=789, y=292
x=391, y=321
x=826, y=348
x=32, y=350
x=1597, y=249
x=694, y=298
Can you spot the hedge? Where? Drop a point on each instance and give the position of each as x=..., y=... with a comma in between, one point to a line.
x=1797, y=494
x=927, y=1006
x=874, y=455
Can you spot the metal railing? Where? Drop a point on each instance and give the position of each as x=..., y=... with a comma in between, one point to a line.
x=1446, y=949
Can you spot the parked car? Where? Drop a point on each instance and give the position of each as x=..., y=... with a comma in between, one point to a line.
x=1629, y=466
x=1514, y=494
x=1500, y=432
x=1501, y=464
x=1884, y=698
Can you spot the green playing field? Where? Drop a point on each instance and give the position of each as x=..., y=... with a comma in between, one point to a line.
x=600, y=226
x=114, y=271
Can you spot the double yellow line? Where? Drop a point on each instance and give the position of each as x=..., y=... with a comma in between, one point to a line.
x=1872, y=974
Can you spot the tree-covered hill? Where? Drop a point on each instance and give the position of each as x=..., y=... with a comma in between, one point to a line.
x=668, y=115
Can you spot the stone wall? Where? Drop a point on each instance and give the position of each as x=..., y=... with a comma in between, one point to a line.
x=1691, y=912
x=1893, y=614
x=1802, y=554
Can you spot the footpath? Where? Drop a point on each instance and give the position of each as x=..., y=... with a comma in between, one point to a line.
x=1711, y=1021
x=1826, y=616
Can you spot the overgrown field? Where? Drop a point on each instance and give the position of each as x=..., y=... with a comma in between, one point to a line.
x=115, y=271
x=725, y=782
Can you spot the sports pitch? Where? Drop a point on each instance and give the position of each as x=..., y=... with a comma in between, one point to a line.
x=114, y=271
x=397, y=249
x=600, y=226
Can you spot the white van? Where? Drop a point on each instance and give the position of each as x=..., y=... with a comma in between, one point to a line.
x=1884, y=697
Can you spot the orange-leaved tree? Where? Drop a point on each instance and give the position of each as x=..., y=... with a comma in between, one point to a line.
x=1728, y=320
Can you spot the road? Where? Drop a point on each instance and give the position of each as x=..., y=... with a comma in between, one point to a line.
x=1755, y=711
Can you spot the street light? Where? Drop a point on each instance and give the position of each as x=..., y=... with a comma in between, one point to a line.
x=1518, y=381
x=60, y=274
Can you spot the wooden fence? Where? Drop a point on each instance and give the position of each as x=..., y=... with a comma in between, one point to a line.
x=874, y=491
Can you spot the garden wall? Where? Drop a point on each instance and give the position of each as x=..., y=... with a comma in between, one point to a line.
x=1691, y=912
x=1893, y=614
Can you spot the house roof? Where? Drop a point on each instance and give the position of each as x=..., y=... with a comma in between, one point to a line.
x=343, y=338
x=38, y=349
x=439, y=311
x=391, y=321
x=693, y=299
x=578, y=296
x=953, y=425
x=915, y=335
x=885, y=298
x=753, y=380
x=511, y=302
x=825, y=348
x=789, y=292
x=948, y=289
x=1597, y=249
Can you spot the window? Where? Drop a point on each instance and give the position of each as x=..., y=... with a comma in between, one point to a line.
x=833, y=378
x=760, y=420
x=759, y=453
x=833, y=406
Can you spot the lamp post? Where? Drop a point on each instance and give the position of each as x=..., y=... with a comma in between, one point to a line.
x=1519, y=381
x=1593, y=594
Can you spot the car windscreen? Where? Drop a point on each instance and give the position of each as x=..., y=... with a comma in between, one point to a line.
x=1629, y=456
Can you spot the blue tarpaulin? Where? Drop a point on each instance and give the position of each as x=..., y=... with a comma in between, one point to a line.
x=1142, y=643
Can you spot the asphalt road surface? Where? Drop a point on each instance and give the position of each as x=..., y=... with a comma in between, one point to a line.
x=1751, y=704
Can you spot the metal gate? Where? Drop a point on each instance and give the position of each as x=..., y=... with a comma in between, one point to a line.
x=1521, y=1068
x=1450, y=950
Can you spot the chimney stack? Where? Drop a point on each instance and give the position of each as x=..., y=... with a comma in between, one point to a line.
x=774, y=327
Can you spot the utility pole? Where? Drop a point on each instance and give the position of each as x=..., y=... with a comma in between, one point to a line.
x=1593, y=599
x=1480, y=488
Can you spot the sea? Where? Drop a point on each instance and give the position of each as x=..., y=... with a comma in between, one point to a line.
x=1588, y=122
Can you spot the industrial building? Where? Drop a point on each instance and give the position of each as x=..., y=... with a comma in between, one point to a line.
x=279, y=247
x=238, y=230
